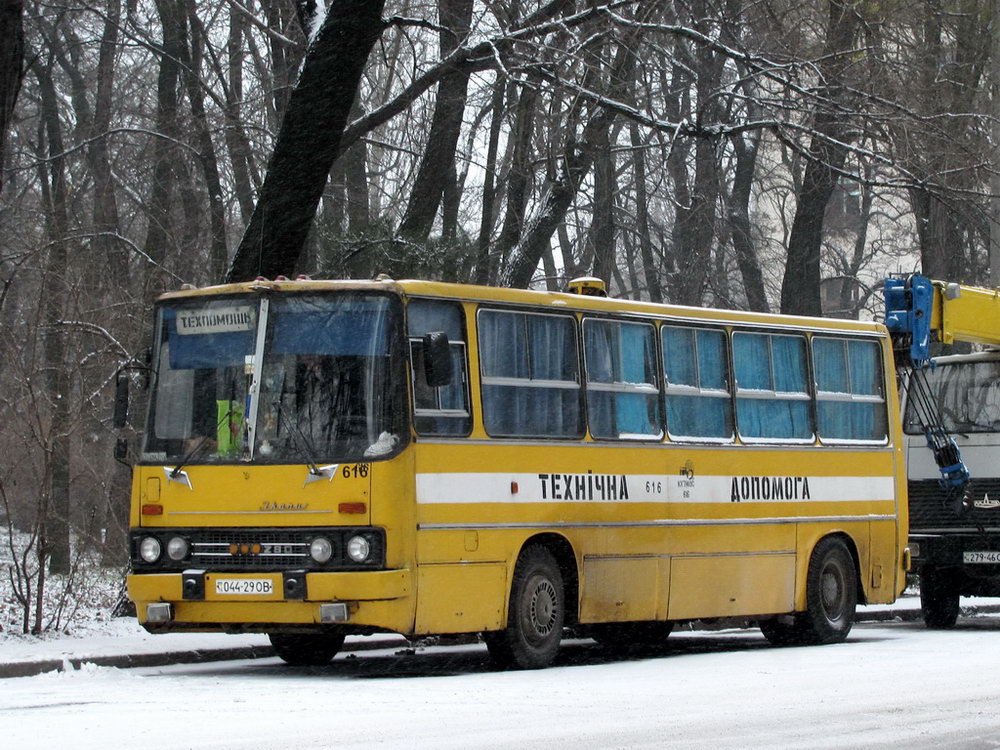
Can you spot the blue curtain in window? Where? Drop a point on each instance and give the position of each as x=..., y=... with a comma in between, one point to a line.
x=530, y=348
x=866, y=375
x=679, y=362
x=712, y=360
x=848, y=368
x=771, y=364
x=599, y=345
x=697, y=358
x=638, y=413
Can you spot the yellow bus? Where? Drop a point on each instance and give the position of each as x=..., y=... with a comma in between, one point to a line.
x=325, y=458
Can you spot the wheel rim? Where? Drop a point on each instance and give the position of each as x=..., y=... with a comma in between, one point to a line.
x=542, y=608
x=833, y=588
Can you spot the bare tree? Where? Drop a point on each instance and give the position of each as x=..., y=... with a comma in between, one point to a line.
x=309, y=140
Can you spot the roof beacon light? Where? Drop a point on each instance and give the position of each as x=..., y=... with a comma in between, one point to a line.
x=590, y=286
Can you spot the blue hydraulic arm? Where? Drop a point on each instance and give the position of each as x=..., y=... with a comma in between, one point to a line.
x=909, y=307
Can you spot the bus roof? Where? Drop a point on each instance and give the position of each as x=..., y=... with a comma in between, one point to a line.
x=555, y=300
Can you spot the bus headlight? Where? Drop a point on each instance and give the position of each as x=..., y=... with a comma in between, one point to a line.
x=358, y=549
x=150, y=549
x=321, y=550
x=177, y=548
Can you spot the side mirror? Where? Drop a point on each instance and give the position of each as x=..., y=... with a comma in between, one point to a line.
x=437, y=359
x=120, y=418
x=147, y=367
x=121, y=449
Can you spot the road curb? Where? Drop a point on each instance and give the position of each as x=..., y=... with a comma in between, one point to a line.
x=167, y=658
x=202, y=655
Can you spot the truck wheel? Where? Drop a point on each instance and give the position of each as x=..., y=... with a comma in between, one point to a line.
x=536, y=614
x=938, y=604
x=306, y=649
x=831, y=599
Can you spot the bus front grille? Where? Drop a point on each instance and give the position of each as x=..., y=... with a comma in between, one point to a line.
x=249, y=549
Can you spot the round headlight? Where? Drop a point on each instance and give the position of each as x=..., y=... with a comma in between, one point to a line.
x=358, y=548
x=177, y=548
x=321, y=550
x=149, y=549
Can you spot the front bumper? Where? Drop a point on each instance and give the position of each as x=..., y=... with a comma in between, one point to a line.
x=379, y=600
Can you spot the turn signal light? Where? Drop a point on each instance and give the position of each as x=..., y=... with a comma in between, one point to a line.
x=352, y=508
x=152, y=509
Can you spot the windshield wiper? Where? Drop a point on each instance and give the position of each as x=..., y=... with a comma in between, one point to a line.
x=306, y=450
x=177, y=474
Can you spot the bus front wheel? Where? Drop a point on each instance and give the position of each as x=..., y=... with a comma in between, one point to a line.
x=306, y=649
x=831, y=599
x=938, y=603
x=535, y=616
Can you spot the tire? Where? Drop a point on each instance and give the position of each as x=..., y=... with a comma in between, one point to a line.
x=535, y=616
x=938, y=603
x=306, y=649
x=831, y=600
x=619, y=635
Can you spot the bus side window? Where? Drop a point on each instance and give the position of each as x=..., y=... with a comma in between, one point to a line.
x=442, y=410
x=850, y=399
x=530, y=374
x=623, y=400
x=696, y=364
x=772, y=397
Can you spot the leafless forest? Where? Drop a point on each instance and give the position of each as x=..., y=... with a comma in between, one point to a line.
x=761, y=154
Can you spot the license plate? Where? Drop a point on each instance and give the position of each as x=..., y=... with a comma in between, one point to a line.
x=243, y=586
x=981, y=557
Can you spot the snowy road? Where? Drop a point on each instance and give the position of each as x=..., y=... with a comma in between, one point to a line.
x=889, y=685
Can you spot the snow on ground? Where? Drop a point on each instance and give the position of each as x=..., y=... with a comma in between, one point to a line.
x=888, y=685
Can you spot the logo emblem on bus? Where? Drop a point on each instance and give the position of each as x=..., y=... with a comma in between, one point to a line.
x=687, y=470
x=273, y=506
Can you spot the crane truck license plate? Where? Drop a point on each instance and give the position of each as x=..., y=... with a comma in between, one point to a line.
x=989, y=556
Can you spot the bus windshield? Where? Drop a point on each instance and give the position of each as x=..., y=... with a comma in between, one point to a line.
x=968, y=397
x=327, y=390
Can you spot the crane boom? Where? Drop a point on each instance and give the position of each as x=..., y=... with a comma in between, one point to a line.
x=954, y=517
x=919, y=310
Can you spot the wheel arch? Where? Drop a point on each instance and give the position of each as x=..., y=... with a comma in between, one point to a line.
x=562, y=550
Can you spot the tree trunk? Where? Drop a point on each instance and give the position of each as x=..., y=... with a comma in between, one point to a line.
x=106, y=221
x=995, y=175
x=484, y=266
x=519, y=175
x=650, y=269
x=165, y=153
x=240, y=155
x=601, y=237
x=56, y=503
x=192, y=56
x=575, y=163
x=11, y=68
x=800, y=287
x=446, y=125
x=309, y=140
x=739, y=218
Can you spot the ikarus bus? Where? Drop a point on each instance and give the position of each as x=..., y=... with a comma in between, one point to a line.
x=327, y=458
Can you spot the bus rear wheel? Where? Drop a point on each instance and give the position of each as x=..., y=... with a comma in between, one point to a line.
x=306, y=649
x=831, y=600
x=535, y=616
x=938, y=603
